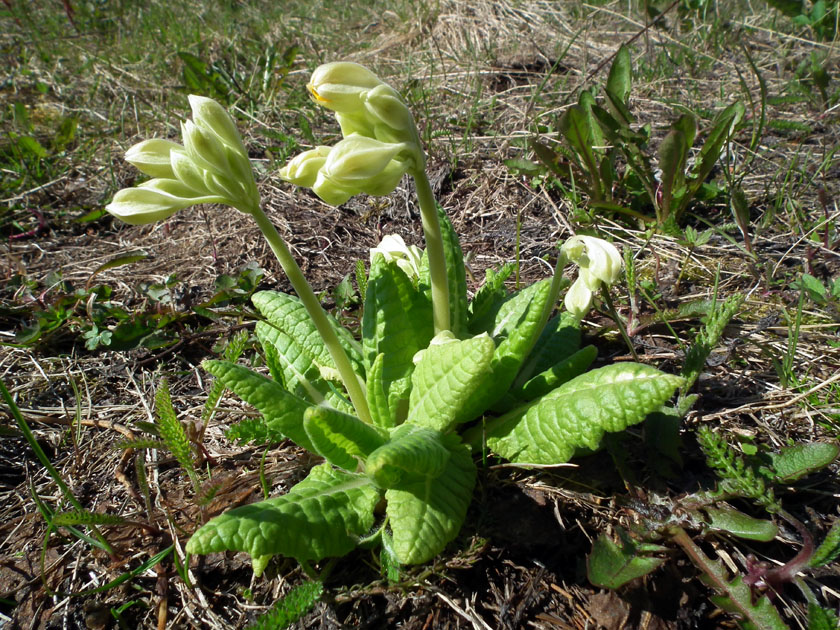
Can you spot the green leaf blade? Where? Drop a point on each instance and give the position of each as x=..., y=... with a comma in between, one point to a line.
x=426, y=515
x=577, y=414
x=446, y=378
x=283, y=412
x=288, y=314
x=322, y=516
x=612, y=566
x=342, y=439
x=397, y=323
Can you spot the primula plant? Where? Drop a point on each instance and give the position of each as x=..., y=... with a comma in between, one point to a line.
x=436, y=380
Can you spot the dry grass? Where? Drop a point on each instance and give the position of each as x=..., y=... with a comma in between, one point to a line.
x=481, y=77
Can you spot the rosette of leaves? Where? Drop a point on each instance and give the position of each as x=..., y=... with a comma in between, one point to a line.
x=408, y=476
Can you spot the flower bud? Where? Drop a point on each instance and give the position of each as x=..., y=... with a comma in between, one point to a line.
x=213, y=118
x=359, y=164
x=385, y=105
x=187, y=172
x=578, y=299
x=332, y=193
x=385, y=183
x=357, y=159
x=341, y=85
x=149, y=202
x=599, y=260
x=204, y=148
x=394, y=249
x=152, y=157
x=302, y=170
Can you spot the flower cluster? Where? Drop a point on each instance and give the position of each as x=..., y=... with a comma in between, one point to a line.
x=380, y=140
x=212, y=166
x=599, y=263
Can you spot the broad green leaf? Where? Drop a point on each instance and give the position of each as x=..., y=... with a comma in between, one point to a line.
x=397, y=323
x=688, y=125
x=559, y=340
x=322, y=516
x=288, y=314
x=739, y=524
x=586, y=101
x=672, y=156
x=515, y=331
x=722, y=130
x=794, y=462
x=446, y=378
x=377, y=397
x=412, y=454
x=296, y=370
x=578, y=413
x=283, y=412
x=610, y=565
x=620, y=80
x=489, y=298
x=427, y=514
x=575, y=127
x=561, y=372
x=342, y=439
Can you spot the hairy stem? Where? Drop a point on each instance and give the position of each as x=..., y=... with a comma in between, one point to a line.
x=354, y=385
x=434, y=247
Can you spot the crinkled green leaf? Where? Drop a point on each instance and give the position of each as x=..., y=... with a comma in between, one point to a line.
x=288, y=314
x=397, y=323
x=283, y=412
x=578, y=413
x=610, y=565
x=515, y=331
x=489, y=298
x=456, y=274
x=296, y=370
x=322, y=516
x=413, y=453
x=559, y=340
x=446, y=378
x=561, y=372
x=794, y=462
x=377, y=397
x=342, y=439
x=427, y=514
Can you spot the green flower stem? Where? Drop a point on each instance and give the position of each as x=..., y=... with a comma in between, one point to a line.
x=352, y=382
x=434, y=247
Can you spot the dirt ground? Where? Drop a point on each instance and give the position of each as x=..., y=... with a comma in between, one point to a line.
x=520, y=559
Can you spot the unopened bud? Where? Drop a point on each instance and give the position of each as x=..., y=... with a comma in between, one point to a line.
x=152, y=157
x=341, y=85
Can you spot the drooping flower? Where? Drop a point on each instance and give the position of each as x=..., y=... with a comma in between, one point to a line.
x=380, y=140
x=211, y=167
x=357, y=164
x=600, y=264
x=394, y=249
